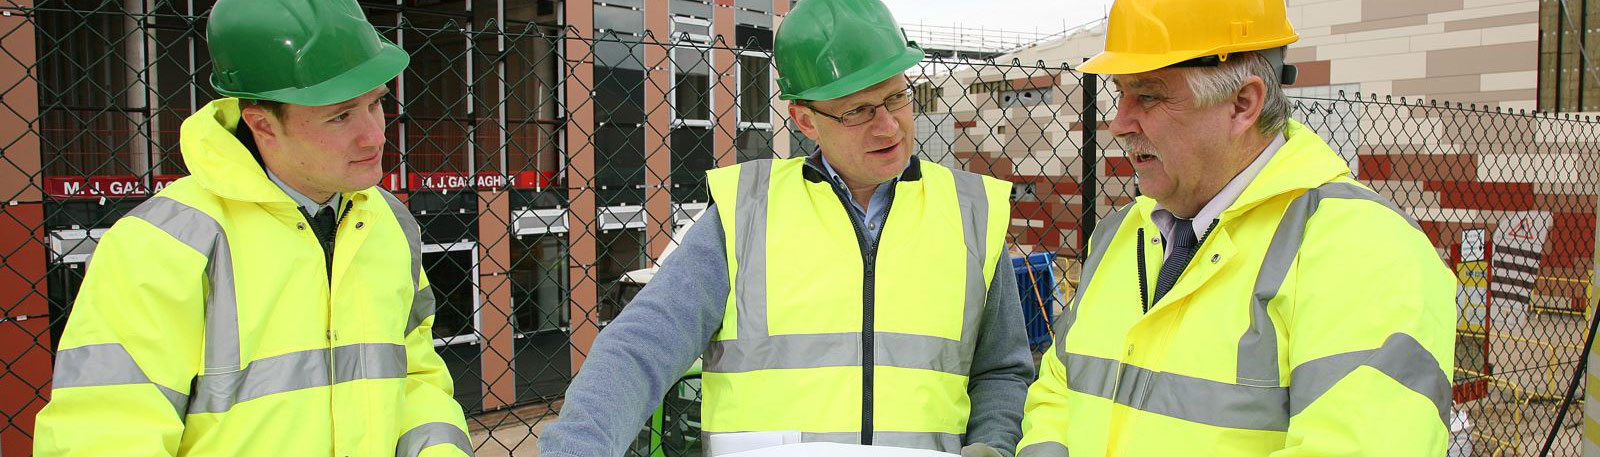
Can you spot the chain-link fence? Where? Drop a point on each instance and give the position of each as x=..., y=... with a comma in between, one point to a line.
x=550, y=167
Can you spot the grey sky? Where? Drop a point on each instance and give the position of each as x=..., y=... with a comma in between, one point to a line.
x=1045, y=16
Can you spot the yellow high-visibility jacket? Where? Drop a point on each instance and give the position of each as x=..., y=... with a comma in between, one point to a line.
x=207, y=325
x=1315, y=320
x=840, y=337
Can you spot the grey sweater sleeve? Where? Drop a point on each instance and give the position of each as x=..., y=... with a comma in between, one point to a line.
x=1002, y=367
x=645, y=349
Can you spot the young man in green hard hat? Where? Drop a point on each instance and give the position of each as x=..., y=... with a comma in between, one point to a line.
x=272, y=302
x=858, y=295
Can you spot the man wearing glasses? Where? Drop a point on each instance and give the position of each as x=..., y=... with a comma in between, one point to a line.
x=858, y=295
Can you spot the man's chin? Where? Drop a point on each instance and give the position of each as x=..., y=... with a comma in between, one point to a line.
x=897, y=163
x=362, y=183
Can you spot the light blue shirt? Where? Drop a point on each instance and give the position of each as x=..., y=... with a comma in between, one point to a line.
x=1166, y=221
x=311, y=206
x=877, y=207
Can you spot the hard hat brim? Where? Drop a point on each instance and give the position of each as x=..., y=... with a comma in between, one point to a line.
x=377, y=71
x=863, y=79
x=1127, y=63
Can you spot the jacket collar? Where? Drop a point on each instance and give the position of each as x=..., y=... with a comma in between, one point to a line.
x=222, y=156
x=220, y=161
x=814, y=171
x=1304, y=162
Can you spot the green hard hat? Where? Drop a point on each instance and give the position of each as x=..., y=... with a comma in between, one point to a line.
x=301, y=52
x=826, y=49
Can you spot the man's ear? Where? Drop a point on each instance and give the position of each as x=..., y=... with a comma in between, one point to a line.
x=803, y=119
x=263, y=125
x=1248, y=102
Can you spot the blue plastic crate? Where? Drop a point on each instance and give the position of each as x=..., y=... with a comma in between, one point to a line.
x=1036, y=282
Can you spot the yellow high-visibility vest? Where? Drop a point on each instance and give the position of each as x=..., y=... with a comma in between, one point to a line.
x=841, y=338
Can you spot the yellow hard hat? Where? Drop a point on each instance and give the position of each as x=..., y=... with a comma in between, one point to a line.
x=1145, y=35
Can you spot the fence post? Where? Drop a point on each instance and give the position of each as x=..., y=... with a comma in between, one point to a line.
x=1088, y=186
x=24, y=313
x=1591, y=442
x=580, y=173
x=725, y=98
x=659, y=215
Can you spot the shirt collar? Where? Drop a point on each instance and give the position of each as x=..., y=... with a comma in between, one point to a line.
x=839, y=180
x=1165, y=220
x=311, y=206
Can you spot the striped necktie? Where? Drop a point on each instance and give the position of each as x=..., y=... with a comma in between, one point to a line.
x=1182, y=245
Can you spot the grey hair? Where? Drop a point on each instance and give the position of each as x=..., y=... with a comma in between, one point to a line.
x=1213, y=85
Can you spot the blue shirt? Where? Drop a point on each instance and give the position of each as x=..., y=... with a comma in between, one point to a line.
x=877, y=207
x=310, y=206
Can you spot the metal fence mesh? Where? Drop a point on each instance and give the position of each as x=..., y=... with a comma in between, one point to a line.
x=547, y=166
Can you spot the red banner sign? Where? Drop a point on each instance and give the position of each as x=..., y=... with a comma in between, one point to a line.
x=453, y=181
x=134, y=186
x=105, y=186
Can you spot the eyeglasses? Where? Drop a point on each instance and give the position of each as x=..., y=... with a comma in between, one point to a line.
x=866, y=113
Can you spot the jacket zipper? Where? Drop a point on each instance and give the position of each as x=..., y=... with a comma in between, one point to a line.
x=327, y=246
x=332, y=335
x=1144, y=296
x=869, y=255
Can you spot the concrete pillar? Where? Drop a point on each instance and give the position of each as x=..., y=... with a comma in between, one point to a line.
x=494, y=312
x=24, y=313
x=725, y=84
x=658, y=131
x=780, y=108
x=580, y=171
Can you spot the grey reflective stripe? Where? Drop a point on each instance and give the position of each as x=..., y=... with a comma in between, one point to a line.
x=107, y=364
x=974, y=206
x=837, y=350
x=423, y=436
x=944, y=442
x=755, y=349
x=217, y=393
x=422, y=302
x=1045, y=449
x=1101, y=240
x=368, y=361
x=1257, y=401
x=1204, y=401
x=202, y=233
x=423, y=306
x=1091, y=375
x=1258, y=346
x=1401, y=358
x=750, y=244
x=1188, y=398
x=1350, y=191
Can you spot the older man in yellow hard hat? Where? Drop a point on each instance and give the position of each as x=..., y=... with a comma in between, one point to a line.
x=1255, y=300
